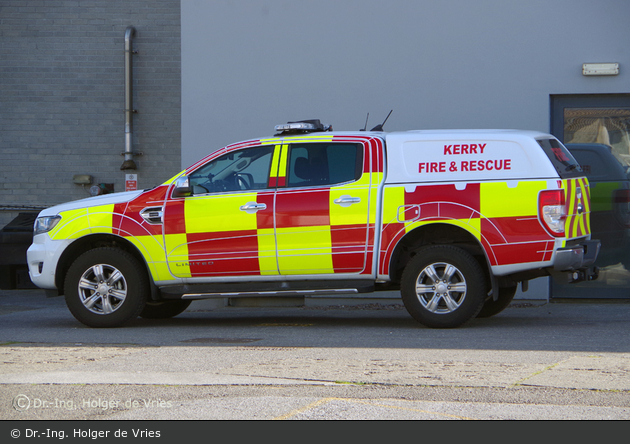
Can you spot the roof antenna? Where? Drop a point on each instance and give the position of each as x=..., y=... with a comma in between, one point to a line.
x=366, y=120
x=380, y=127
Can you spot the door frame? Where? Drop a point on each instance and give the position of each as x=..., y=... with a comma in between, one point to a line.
x=558, y=102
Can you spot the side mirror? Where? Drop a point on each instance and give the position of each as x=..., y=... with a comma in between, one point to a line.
x=182, y=187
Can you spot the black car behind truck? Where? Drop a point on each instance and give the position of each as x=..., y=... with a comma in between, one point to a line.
x=15, y=238
x=609, y=183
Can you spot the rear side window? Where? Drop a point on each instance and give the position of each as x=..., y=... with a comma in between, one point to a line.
x=562, y=160
x=313, y=164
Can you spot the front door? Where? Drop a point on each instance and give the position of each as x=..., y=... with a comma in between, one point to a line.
x=225, y=228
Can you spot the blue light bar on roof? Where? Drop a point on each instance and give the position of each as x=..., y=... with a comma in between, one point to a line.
x=296, y=126
x=303, y=126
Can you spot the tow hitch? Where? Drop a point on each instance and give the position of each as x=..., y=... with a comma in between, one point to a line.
x=590, y=274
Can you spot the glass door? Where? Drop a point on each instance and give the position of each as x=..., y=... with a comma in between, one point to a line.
x=596, y=129
x=610, y=126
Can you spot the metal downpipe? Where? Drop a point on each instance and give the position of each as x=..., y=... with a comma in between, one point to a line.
x=129, y=163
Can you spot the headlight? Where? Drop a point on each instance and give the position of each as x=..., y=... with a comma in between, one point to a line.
x=45, y=224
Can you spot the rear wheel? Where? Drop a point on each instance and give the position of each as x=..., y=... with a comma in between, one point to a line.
x=492, y=307
x=443, y=286
x=164, y=309
x=106, y=287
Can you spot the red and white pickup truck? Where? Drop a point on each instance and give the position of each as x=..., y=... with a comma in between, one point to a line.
x=455, y=219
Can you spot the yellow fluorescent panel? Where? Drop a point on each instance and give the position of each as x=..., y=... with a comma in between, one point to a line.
x=101, y=218
x=267, y=252
x=355, y=214
x=274, y=162
x=376, y=178
x=282, y=172
x=75, y=223
x=272, y=141
x=296, y=264
x=305, y=249
x=150, y=246
x=219, y=213
x=153, y=250
x=304, y=238
x=499, y=200
x=394, y=197
x=160, y=271
x=72, y=222
x=177, y=252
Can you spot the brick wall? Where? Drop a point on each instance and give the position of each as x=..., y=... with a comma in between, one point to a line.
x=62, y=97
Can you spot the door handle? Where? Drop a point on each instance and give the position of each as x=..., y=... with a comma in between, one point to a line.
x=346, y=201
x=252, y=207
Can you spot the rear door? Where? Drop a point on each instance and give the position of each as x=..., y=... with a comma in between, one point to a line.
x=322, y=214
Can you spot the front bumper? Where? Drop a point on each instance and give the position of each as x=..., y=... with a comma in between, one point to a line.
x=42, y=258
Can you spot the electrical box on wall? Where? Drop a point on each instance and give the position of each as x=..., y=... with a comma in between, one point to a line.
x=82, y=179
x=102, y=188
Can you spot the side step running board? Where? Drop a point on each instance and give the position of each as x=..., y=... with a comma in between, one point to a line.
x=237, y=294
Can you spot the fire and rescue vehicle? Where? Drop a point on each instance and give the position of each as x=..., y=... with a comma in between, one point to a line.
x=455, y=219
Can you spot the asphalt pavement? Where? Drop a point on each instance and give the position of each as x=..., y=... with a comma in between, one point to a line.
x=536, y=360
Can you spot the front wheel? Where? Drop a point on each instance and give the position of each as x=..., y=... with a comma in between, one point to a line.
x=443, y=286
x=106, y=287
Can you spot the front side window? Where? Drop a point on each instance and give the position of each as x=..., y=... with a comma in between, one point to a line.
x=246, y=169
x=313, y=164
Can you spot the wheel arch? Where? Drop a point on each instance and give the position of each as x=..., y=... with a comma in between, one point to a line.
x=439, y=233
x=89, y=242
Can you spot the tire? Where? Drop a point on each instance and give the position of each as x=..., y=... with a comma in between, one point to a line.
x=106, y=287
x=164, y=309
x=491, y=307
x=443, y=286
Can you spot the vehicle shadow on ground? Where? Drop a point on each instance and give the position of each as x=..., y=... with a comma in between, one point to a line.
x=512, y=330
x=554, y=327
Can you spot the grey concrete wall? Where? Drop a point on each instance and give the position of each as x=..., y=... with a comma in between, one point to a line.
x=250, y=64
x=62, y=96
